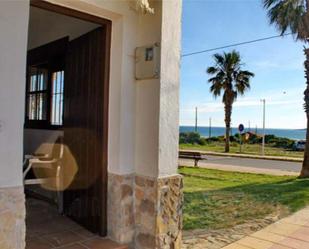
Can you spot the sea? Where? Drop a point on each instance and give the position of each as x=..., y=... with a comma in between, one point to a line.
x=295, y=134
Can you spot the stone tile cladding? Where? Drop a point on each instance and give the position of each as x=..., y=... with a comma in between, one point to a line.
x=120, y=211
x=12, y=218
x=169, y=212
x=158, y=212
x=145, y=212
x=145, y=192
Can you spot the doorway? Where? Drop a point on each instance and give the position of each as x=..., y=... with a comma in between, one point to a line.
x=67, y=105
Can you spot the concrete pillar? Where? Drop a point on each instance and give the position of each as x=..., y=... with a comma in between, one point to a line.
x=145, y=207
x=158, y=188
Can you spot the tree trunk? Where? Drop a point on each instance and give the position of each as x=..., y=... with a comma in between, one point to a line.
x=305, y=169
x=228, y=114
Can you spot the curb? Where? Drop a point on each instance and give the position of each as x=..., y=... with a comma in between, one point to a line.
x=275, y=158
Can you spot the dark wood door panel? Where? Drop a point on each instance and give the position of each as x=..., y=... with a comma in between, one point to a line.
x=85, y=129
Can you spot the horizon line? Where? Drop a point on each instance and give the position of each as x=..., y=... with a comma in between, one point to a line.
x=252, y=128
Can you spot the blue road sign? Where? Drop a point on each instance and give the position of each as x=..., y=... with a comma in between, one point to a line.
x=241, y=127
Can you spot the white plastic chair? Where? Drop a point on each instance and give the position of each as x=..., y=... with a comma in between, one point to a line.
x=36, y=155
x=45, y=161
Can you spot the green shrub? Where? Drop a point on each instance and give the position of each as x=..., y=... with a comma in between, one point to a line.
x=202, y=141
x=213, y=139
x=272, y=140
x=189, y=138
x=254, y=139
x=233, y=139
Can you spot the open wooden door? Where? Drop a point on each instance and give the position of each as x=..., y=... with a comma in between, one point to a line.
x=85, y=128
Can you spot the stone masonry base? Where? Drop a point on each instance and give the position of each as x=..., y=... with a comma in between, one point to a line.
x=120, y=210
x=12, y=218
x=145, y=212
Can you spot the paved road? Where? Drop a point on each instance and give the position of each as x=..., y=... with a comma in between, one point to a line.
x=255, y=163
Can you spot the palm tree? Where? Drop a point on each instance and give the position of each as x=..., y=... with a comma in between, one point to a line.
x=293, y=15
x=227, y=77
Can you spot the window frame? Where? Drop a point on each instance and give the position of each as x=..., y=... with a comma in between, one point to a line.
x=53, y=56
x=54, y=94
x=36, y=92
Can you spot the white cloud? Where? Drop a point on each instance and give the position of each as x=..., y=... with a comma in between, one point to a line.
x=294, y=64
x=213, y=107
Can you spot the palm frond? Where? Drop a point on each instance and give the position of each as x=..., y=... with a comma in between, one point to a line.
x=216, y=88
x=242, y=80
x=227, y=76
x=245, y=73
x=269, y=3
x=289, y=15
x=219, y=59
x=212, y=70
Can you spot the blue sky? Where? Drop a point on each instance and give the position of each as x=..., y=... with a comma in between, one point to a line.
x=277, y=64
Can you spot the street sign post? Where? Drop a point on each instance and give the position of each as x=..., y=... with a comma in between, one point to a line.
x=241, y=128
x=263, y=139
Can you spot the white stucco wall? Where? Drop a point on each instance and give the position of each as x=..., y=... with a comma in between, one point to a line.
x=148, y=101
x=169, y=87
x=157, y=101
x=13, y=47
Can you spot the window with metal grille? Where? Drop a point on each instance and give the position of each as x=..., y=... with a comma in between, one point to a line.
x=37, y=93
x=45, y=85
x=44, y=97
x=57, y=98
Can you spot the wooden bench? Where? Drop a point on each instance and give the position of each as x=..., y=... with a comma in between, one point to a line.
x=196, y=156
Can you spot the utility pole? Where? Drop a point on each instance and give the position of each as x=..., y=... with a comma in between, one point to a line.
x=263, y=140
x=209, y=127
x=195, y=119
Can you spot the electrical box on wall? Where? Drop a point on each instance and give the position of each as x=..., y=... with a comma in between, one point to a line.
x=147, y=62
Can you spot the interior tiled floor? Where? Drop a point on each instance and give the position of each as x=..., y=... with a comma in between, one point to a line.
x=47, y=229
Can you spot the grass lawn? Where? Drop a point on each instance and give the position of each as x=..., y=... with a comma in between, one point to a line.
x=253, y=149
x=218, y=199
